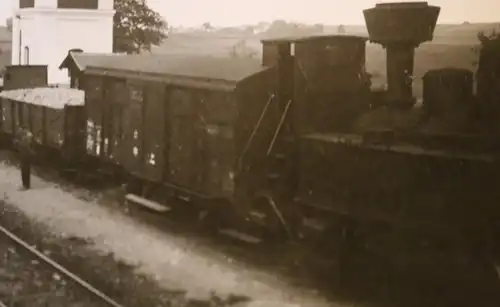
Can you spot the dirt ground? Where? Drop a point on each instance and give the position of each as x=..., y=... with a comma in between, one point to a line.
x=84, y=229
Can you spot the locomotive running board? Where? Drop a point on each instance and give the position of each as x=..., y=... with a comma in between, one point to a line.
x=234, y=234
x=132, y=198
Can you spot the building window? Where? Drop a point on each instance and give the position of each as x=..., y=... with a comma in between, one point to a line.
x=26, y=3
x=26, y=55
x=78, y=4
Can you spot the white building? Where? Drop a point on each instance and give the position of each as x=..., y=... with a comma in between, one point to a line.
x=43, y=31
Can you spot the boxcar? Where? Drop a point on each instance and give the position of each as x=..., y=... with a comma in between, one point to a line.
x=53, y=115
x=192, y=124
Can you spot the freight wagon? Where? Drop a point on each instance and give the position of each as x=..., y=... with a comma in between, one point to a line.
x=53, y=115
x=179, y=125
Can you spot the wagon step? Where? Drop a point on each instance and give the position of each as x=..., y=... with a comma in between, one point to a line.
x=132, y=198
x=234, y=234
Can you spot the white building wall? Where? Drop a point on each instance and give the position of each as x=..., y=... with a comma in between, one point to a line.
x=46, y=3
x=106, y=4
x=50, y=33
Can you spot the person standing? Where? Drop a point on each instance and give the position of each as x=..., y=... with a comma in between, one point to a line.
x=24, y=142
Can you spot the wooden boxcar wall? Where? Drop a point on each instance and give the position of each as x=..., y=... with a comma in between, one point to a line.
x=55, y=128
x=74, y=132
x=182, y=136
x=8, y=116
x=115, y=98
x=93, y=86
x=201, y=150
x=185, y=152
x=220, y=115
x=144, y=130
x=131, y=149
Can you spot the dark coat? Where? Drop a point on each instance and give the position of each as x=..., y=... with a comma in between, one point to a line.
x=24, y=143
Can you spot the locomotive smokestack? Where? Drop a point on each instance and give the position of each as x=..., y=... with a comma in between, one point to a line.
x=400, y=28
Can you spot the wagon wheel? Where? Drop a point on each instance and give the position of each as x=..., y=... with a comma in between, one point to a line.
x=269, y=217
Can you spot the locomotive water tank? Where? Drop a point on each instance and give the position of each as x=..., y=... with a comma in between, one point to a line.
x=400, y=28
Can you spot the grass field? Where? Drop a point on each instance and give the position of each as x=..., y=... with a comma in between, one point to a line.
x=452, y=47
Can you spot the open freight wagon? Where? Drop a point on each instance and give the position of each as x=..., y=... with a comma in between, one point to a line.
x=53, y=115
x=181, y=124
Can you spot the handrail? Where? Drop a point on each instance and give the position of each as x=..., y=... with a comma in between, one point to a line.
x=278, y=129
x=254, y=132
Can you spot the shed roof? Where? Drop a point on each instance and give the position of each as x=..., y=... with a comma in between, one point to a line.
x=201, y=67
x=82, y=60
x=51, y=97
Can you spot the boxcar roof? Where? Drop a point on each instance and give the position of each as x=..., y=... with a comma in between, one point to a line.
x=82, y=60
x=201, y=67
x=54, y=98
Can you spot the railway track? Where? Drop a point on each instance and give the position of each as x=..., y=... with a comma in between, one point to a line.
x=28, y=277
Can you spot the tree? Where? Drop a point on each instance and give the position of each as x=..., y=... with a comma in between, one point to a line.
x=137, y=27
x=341, y=29
x=207, y=26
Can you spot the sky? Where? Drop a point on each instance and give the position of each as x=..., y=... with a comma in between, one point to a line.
x=237, y=12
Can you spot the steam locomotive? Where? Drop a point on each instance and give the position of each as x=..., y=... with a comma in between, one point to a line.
x=298, y=145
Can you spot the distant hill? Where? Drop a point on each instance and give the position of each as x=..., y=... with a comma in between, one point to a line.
x=452, y=47
x=444, y=33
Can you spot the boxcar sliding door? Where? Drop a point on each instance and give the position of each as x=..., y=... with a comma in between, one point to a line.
x=155, y=130
x=186, y=148
x=115, y=99
x=132, y=153
x=94, y=111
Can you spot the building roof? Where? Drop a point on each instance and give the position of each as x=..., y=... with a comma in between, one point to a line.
x=51, y=97
x=200, y=67
x=82, y=60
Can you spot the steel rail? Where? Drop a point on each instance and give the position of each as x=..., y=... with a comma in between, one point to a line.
x=59, y=268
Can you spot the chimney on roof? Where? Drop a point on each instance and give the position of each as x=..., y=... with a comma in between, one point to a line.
x=75, y=50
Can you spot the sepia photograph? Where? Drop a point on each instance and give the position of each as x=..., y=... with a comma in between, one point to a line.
x=249, y=153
